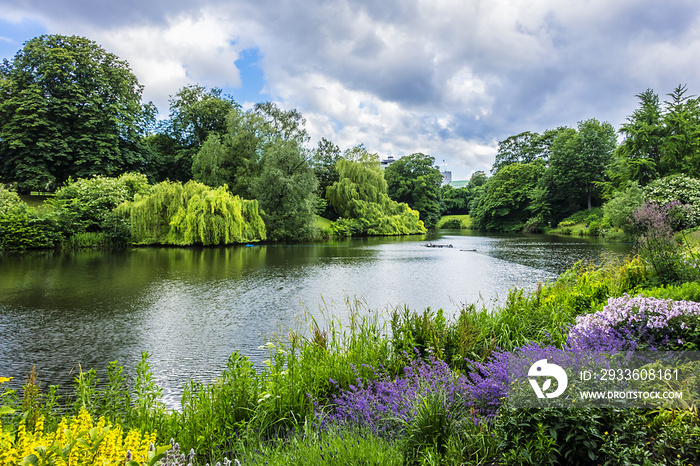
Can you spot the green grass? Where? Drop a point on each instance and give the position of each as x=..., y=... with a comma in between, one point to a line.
x=578, y=224
x=324, y=225
x=336, y=447
x=466, y=221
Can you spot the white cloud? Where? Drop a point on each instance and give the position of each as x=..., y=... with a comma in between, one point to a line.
x=186, y=49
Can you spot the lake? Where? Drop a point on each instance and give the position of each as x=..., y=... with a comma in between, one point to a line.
x=191, y=308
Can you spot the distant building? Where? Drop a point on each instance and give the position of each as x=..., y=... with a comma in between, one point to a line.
x=446, y=177
x=387, y=161
x=459, y=183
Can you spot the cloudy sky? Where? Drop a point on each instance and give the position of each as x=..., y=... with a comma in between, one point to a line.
x=449, y=78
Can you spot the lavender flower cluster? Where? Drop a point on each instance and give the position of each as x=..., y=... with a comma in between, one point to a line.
x=385, y=406
x=636, y=323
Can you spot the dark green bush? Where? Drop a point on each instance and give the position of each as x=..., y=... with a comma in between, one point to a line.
x=84, y=204
x=21, y=227
x=576, y=436
x=453, y=224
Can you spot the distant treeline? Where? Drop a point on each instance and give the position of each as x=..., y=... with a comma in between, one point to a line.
x=71, y=111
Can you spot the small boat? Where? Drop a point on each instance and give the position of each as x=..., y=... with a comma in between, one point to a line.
x=431, y=245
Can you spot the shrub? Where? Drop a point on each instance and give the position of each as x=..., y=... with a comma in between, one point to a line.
x=21, y=227
x=681, y=189
x=655, y=224
x=85, y=204
x=193, y=213
x=639, y=323
x=453, y=224
x=618, y=210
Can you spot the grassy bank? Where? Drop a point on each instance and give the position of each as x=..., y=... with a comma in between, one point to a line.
x=403, y=388
x=454, y=222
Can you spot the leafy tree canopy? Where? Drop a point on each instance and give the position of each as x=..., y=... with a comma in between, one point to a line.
x=503, y=205
x=68, y=108
x=415, y=180
x=286, y=190
x=660, y=139
x=360, y=197
x=173, y=213
x=525, y=147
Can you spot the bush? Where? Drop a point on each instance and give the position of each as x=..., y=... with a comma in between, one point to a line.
x=655, y=224
x=453, y=224
x=193, y=213
x=618, y=210
x=679, y=188
x=21, y=227
x=85, y=204
x=640, y=324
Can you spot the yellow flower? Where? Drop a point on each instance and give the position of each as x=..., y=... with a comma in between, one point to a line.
x=5, y=379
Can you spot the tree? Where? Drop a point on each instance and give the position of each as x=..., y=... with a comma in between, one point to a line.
x=68, y=109
x=286, y=190
x=360, y=197
x=282, y=124
x=195, y=114
x=577, y=165
x=659, y=140
x=461, y=200
x=681, y=144
x=415, y=180
x=323, y=161
x=173, y=213
x=525, y=147
x=504, y=203
x=639, y=156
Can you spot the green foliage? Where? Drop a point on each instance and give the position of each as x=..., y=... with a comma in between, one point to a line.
x=323, y=161
x=503, y=205
x=576, y=436
x=639, y=156
x=337, y=447
x=525, y=147
x=68, y=108
x=360, y=198
x=85, y=204
x=660, y=140
x=679, y=188
x=173, y=213
x=196, y=113
x=434, y=423
x=618, y=210
x=576, y=166
x=285, y=190
x=415, y=180
x=689, y=291
x=212, y=413
x=454, y=222
x=21, y=227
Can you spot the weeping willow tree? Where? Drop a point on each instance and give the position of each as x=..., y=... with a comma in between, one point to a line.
x=360, y=197
x=193, y=213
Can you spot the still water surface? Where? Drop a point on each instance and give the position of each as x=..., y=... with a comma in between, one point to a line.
x=191, y=308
